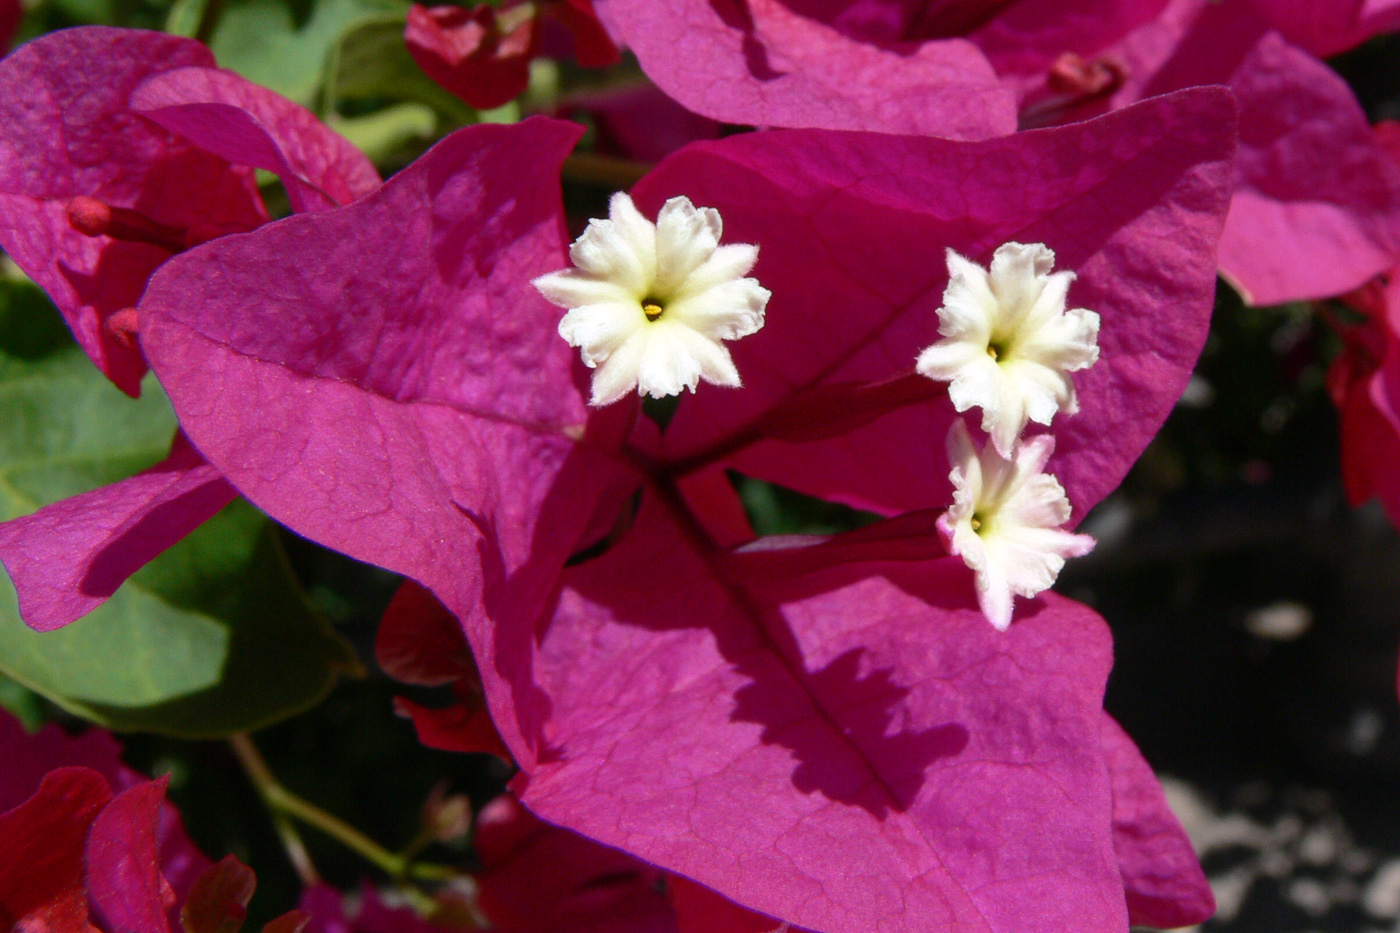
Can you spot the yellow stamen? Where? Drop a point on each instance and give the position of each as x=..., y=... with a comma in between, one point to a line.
x=976, y=524
x=991, y=351
x=652, y=311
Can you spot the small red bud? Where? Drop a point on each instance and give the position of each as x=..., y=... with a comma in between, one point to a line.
x=94, y=217
x=123, y=325
x=89, y=216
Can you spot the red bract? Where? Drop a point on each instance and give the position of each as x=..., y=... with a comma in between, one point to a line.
x=120, y=151
x=590, y=44
x=420, y=642
x=537, y=878
x=78, y=845
x=11, y=14
x=469, y=53
x=41, y=864
x=1365, y=385
x=639, y=122
x=483, y=54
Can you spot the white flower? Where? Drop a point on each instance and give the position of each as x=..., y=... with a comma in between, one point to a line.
x=650, y=303
x=1005, y=521
x=1008, y=343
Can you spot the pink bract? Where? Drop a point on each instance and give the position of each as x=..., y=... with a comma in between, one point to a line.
x=748, y=731
x=1317, y=202
x=1316, y=214
x=437, y=434
x=762, y=64
x=98, y=134
x=754, y=735
x=70, y=132
x=1162, y=877
x=68, y=558
x=1326, y=27
x=852, y=230
x=248, y=125
x=1019, y=37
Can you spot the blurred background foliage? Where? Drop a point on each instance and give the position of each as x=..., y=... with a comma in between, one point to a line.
x=1257, y=616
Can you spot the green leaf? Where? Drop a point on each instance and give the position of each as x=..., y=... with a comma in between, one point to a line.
x=185, y=17
x=386, y=133
x=261, y=40
x=215, y=636
x=21, y=703
x=371, y=63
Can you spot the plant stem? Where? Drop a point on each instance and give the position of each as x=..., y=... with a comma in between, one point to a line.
x=296, y=850
x=283, y=803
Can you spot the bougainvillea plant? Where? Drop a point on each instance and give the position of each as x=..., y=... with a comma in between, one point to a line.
x=945, y=275
x=142, y=150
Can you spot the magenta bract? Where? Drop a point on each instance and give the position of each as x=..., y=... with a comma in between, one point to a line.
x=852, y=230
x=143, y=193
x=1162, y=878
x=752, y=736
x=1021, y=37
x=762, y=64
x=226, y=115
x=68, y=558
x=1316, y=211
x=70, y=132
x=1326, y=27
x=424, y=411
x=1317, y=202
x=415, y=407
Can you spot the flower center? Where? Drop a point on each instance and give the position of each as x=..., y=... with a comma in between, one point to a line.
x=993, y=350
x=976, y=521
x=652, y=308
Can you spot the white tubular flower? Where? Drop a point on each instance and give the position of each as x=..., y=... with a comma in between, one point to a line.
x=1005, y=521
x=650, y=303
x=1008, y=343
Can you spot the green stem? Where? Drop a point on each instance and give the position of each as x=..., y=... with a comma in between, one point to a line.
x=284, y=803
x=296, y=850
